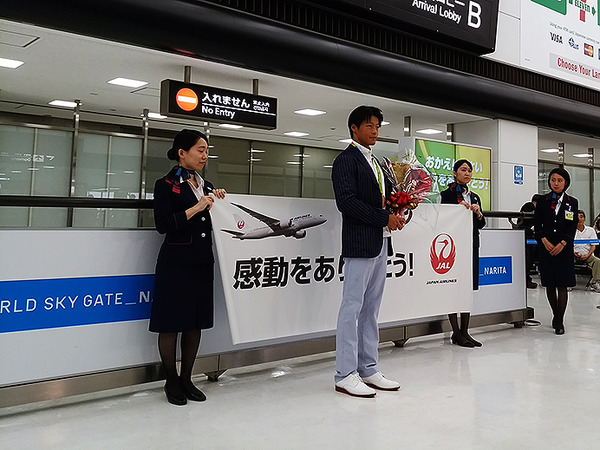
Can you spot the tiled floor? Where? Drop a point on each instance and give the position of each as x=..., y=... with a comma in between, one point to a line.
x=525, y=388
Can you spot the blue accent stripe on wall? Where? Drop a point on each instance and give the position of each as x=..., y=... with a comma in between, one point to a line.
x=495, y=270
x=65, y=302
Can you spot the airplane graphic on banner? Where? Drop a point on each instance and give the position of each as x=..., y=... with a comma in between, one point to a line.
x=294, y=226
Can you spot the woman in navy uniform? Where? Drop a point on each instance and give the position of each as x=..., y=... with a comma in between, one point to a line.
x=555, y=223
x=183, y=286
x=459, y=193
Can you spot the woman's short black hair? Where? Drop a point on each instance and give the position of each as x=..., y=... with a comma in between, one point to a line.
x=362, y=114
x=563, y=173
x=460, y=162
x=184, y=140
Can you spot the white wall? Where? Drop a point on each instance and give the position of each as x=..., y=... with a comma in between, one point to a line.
x=508, y=35
x=513, y=144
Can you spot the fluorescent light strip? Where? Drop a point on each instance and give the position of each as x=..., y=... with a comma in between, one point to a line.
x=550, y=150
x=10, y=63
x=309, y=112
x=127, y=82
x=63, y=103
x=429, y=131
x=296, y=133
x=231, y=126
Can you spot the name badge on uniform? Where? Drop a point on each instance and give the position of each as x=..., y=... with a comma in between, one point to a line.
x=569, y=215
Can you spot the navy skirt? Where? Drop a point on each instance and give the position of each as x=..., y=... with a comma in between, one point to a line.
x=183, y=298
x=559, y=270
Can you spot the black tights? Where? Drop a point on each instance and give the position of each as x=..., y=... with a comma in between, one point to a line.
x=167, y=347
x=558, y=304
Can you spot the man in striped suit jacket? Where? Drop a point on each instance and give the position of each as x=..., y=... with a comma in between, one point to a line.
x=360, y=188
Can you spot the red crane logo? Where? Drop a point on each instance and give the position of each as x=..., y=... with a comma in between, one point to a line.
x=442, y=253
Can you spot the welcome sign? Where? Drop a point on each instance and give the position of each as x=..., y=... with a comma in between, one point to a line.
x=291, y=281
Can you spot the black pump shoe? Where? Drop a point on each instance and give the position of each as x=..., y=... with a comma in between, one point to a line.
x=560, y=330
x=175, y=393
x=461, y=341
x=475, y=343
x=192, y=392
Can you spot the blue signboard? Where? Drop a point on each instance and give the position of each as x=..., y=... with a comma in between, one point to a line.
x=495, y=270
x=66, y=302
x=518, y=175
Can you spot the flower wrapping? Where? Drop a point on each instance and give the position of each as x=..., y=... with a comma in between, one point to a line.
x=411, y=185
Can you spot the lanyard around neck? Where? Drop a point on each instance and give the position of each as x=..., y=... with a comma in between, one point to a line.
x=379, y=174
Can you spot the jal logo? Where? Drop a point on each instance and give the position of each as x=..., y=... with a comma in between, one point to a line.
x=556, y=37
x=442, y=253
x=241, y=224
x=573, y=44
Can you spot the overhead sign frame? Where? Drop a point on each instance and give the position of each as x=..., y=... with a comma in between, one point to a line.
x=466, y=24
x=214, y=104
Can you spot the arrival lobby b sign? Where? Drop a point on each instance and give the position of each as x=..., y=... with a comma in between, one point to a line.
x=198, y=102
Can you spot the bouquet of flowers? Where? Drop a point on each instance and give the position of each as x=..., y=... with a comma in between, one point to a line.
x=411, y=185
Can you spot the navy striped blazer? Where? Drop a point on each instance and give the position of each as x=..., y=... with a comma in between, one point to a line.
x=358, y=198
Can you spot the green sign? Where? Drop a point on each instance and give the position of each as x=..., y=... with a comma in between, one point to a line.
x=560, y=6
x=439, y=158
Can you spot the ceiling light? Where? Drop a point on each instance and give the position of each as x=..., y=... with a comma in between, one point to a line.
x=429, y=131
x=300, y=155
x=127, y=82
x=309, y=112
x=550, y=150
x=295, y=133
x=328, y=166
x=383, y=123
x=230, y=125
x=63, y=103
x=254, y=150
x=345, y=141
x=294, y=162
x=581, y=155
x=153, y=115
x=10, y=63
x=213, y=156
x=254, y=159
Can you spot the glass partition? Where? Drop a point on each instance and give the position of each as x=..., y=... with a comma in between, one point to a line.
x=316, y=173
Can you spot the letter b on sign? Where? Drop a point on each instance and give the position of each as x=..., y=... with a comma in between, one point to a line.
x=474, y=15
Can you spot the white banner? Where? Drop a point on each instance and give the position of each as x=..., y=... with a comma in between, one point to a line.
x=561, y=38
x=282, y=273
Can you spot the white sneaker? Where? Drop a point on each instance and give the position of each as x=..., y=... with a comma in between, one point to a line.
x=378, y=381
x=353, y=385
x=595, y=286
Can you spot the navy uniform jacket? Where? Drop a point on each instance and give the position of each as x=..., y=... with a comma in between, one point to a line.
x=358, y=198
x=556, y=227
x=186, y=241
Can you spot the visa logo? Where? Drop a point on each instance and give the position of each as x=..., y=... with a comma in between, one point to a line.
x=556, y=37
